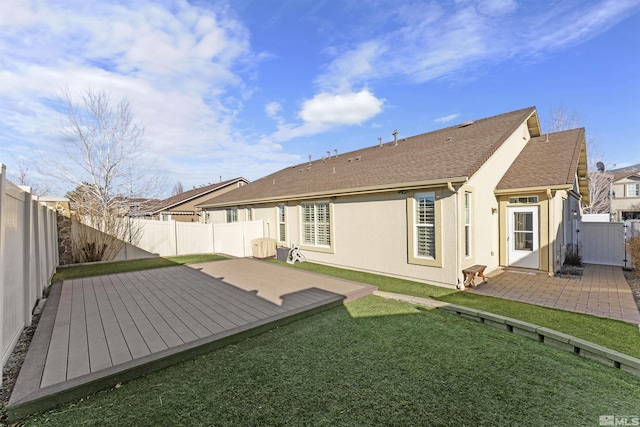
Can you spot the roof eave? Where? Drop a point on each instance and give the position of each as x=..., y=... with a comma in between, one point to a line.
x=536, y=189
x=164, y=208
x=344, y=192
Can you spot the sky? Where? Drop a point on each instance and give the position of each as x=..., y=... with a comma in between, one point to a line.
x=247, y=87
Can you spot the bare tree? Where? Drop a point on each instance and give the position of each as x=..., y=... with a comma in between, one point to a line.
x=103, y=159
x=23, y=176
x=177, y=189
x=563, y=118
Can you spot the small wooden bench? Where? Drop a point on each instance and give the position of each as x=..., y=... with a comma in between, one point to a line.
x=471, y=272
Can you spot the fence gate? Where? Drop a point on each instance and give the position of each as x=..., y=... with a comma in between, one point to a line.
x=602, y=243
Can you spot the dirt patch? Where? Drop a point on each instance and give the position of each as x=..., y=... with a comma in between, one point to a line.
x=12, y=368
x=633, y=279
x=570, y=271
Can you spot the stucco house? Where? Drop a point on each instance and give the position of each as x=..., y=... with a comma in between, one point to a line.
x=493, y=191
x=181, y=207
x=625, y=195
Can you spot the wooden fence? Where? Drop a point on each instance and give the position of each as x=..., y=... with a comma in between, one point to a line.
x=28, y=258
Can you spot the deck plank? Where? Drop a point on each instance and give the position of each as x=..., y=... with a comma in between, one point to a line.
x=55, y=368
x=185, y=312
x=219, y=305
x=166, y=332
x=78, y=360
x=150, y=335
x=198, y=309
x=170, y=317
x=237, y=297
x=135, y=342
x=118, y=349
x=99, y=357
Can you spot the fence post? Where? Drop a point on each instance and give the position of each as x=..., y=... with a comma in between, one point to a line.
x=26, y=265
x=3, y=174
x=37, y=229
x=213, y=238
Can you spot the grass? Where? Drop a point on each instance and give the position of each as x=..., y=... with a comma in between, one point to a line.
x=614, y=334
x=371, y=362
x=99, y=269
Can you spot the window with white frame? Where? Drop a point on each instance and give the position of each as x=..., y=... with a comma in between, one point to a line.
x=249, y=214
x=633, y=190
x=282, y=226
x=232, y=215
x=316, y=224
x=467, y=224
x=166, y=217
x=425, y=227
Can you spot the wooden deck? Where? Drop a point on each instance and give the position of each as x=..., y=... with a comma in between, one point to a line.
x=98, y=331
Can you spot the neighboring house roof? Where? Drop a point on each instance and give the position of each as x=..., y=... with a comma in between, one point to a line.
x=552, y=160
x=623, y=175
x=451, y=154
x=179, y=199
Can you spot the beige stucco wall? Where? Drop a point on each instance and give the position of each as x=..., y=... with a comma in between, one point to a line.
x=369, y=234
x=487, y=239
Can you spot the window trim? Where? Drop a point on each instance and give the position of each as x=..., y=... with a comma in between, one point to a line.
x=234, y=215
x=317, y=248
x=282, y=223
x=468, y=228
x=627, y=187
x=412, y=257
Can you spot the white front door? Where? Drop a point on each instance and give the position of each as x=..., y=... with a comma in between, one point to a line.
x=524, y=250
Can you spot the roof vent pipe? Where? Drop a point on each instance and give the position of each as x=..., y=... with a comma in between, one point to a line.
x=309, y=159
x=220, y=178
x=379, y=141
x=335, y=151
x=328, y=154
x=395, y=137
x=547, y=138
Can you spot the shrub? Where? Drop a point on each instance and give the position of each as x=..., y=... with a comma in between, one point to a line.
x=634, y=251
x=573, y=257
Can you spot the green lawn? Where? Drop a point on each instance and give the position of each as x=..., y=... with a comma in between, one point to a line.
x=617, y=335
x=99, y=269
x=371, y=362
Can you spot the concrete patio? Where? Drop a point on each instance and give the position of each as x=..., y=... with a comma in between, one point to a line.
x=601, y=291
x=96, y=332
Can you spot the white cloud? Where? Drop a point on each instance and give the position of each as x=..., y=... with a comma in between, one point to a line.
x=496, y=7
x=430, y=42
x=273, y=109
x=324, y=112
x=341, y=109
x=446, y=119
x=174, y=62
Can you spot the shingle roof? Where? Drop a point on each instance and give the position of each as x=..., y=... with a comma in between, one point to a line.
x=184, y=197
x=622, y=175
x=456, y=151
x=544, y=163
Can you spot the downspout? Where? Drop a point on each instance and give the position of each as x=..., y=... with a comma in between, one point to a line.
x=550, y=225
x=457, y=227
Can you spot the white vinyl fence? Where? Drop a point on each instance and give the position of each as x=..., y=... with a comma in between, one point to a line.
x=602, y=243
x=28, y=258
x=171, y=238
